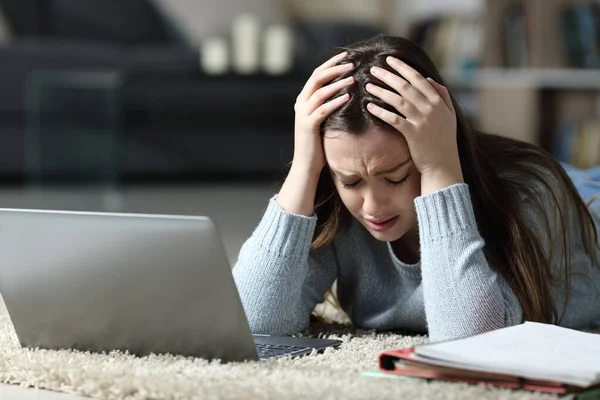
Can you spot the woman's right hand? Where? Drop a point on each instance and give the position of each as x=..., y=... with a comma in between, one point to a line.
x=312, y=107
x=297, y=195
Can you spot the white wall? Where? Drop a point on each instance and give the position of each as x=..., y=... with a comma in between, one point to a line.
x=202, y=18
x=198, y=19
x=421, y=8
x=366, y=11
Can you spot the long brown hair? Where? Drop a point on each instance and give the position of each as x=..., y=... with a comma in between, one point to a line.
x=500, y=172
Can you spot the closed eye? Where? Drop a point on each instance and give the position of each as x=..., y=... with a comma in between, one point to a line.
x=349, y=185
x=389, y=182
x=400, y=182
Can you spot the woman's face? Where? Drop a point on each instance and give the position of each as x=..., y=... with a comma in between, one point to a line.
x=376, y=180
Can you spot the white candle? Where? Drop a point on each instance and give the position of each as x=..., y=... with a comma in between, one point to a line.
x=245, y=40
x=278, y=50
x=214, y=56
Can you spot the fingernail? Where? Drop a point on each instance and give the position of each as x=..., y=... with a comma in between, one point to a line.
x=345, y=96
x=390, y=59
x=370, y=107
x=349, y=79
x=349, y=66
x=374, y=70
x=370, y=86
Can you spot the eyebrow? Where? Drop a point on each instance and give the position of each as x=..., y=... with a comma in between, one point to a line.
x=387, y=171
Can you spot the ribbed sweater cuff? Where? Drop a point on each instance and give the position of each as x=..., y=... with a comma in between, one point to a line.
x=286, y=234
x=445, y=212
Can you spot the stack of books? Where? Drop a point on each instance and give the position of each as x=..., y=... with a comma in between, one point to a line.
x=453, y=43
x=578, y=143
x=456, y=41
x=581, y=34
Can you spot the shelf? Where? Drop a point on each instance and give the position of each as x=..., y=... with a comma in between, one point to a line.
x=543, y=78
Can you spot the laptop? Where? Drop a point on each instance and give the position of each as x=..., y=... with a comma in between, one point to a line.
x=132, y=282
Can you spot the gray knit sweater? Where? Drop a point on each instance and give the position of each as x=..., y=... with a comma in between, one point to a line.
x=451, y=293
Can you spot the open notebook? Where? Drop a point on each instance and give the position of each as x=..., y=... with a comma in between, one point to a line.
x=530, y=356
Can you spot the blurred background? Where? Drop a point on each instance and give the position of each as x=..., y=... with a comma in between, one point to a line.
x=186, y=106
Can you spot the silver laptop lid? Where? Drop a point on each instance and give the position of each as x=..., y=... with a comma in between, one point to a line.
x=135, y=282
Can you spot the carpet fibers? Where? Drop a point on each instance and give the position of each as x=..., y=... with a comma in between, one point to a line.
x=331, y=375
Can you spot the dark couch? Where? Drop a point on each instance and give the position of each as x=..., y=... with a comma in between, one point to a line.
x=175, y=121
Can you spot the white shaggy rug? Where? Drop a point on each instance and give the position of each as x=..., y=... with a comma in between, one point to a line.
x=332, y=375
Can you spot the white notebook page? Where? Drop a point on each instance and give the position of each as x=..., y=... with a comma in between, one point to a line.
x=530, y=350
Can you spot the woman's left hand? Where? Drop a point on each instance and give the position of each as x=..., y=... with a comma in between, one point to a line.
x=429, y=126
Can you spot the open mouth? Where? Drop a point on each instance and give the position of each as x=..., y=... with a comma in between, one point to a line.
x=382, y=225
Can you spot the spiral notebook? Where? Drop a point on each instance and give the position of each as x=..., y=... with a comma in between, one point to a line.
x=531, y=356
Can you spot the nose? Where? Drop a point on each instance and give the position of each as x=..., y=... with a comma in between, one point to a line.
x=373, y=203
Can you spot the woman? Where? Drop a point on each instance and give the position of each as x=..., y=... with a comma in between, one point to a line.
x=427, y=224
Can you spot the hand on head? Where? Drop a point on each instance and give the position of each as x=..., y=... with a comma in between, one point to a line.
x=316, y=102
x=429, y=122
x=424, y=113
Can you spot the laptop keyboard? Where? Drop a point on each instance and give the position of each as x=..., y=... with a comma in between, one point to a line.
x=274, y=350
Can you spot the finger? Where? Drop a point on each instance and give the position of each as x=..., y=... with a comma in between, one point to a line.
x=401, y=86
x=443, y=93
x=403, y=106
x=413, y=76
x=391, y=118
x=332, y=61
x=326, y=92
x=318, y=78
x=327, y=64
x=319, y=115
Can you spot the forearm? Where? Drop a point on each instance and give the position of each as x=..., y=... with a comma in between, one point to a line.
x=440, y=178
x=463, y=296
x=270, y=288
x=279, y=279
x=297, y=195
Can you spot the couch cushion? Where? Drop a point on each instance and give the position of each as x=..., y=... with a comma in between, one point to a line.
x=163, y=58
x=6, y=33
x=26, y=17
x=129, y=22
x=23, y=57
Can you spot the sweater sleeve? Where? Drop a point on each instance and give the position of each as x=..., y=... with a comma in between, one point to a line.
x=463, y=296
x=279, y=278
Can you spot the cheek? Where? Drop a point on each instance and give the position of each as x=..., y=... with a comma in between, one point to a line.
x=402, y=198
x=399, y=199
x=352, y=199
x=414, y=183
x=410, y=191
x=404, y=201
